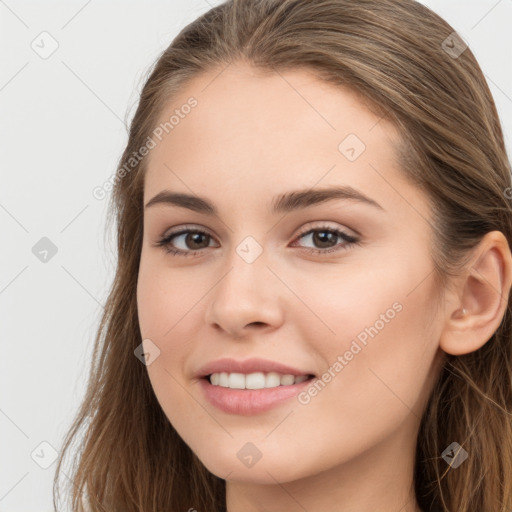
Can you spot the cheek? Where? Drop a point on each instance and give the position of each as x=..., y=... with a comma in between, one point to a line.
x=167, y=305
x=379, y=361
x=164, y=296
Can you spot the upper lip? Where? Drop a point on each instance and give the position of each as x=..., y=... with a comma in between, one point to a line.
x=248, y=366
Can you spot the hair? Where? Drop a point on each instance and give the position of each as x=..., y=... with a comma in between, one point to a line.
x=389, y=52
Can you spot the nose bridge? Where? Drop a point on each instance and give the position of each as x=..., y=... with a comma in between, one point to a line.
x=244, y=295
x=246, y=271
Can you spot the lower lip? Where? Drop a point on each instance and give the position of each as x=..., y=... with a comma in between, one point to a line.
x=250, y=401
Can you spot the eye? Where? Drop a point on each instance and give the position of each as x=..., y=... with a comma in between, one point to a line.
x=323, y=236
x=194, y=237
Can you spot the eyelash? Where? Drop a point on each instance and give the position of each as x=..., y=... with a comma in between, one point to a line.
x=349, y=241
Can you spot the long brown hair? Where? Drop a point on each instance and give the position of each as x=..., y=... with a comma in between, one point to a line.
x=407, y=63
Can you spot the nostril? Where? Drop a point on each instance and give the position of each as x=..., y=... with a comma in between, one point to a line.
x=257, y=323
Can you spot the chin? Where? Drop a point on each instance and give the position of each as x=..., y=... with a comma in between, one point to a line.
x=266, y=470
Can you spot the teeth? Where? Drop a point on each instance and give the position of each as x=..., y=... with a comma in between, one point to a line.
x=257, y=380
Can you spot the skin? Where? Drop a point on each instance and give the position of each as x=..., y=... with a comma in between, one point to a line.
x=252, y=137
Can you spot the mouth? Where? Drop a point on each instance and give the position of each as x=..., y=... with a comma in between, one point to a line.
x=247, y=394
x=255, y=380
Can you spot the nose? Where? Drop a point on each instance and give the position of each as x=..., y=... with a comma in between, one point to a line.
x=246, y=300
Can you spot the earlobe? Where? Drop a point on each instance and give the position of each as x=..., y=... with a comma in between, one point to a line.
x=483, y=294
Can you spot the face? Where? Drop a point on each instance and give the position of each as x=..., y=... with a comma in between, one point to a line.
x=340, y=288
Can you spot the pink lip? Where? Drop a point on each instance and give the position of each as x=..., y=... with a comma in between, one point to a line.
x=249, y=401
x=248, y=366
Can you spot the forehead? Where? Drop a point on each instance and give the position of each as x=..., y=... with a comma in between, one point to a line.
x=258, y=133
x=236, y=103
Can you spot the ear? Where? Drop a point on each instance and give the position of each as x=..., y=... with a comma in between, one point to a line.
x=480, y=297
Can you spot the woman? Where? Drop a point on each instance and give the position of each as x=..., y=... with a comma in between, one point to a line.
x=311, y=304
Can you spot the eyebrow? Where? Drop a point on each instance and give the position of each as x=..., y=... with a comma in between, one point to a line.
x=283, y=203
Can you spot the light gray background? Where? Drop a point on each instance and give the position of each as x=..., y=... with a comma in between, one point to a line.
x=62, y=131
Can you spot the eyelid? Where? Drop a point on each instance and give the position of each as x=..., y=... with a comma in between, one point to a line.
x=303, y=230
x=314, y=225
x=185, y=227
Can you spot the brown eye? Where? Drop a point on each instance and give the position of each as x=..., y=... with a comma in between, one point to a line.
x=324, y=240
x=191, y=241
x=195, y=240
